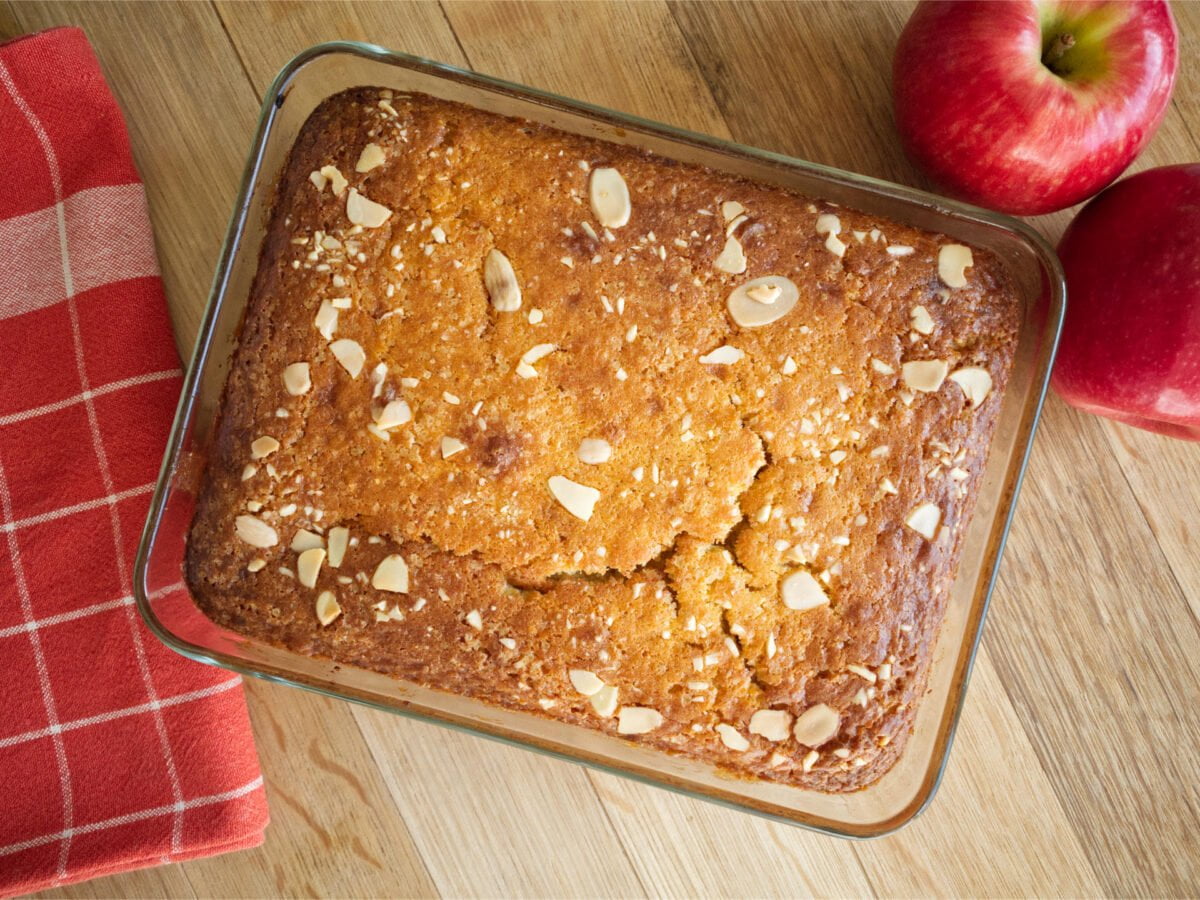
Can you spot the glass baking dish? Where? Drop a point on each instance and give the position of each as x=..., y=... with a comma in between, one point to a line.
x=887, y=804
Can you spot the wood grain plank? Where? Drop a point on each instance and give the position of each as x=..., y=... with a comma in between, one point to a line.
x=9, y=27
x=190, y=116
x=657, y=77
x=812, y=80
x=1101, y=656
x=691, y=848
x=268, y=35
x=996, y=827
x=335, y=830
x=492, y=820
x=1164, y=476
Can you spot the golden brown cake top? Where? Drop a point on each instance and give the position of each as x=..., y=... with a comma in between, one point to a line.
x=588, y=368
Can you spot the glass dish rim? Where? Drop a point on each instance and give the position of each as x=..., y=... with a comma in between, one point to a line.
x=272, y=100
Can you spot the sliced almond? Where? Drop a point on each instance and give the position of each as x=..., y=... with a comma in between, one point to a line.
x=828, y=223
x=725, y=355
x=638, y=720
x=773, y=724
x=255, y=531
x=764, y=293
x=609, y=196
x=604, y=701
x=350, y=354
x=501, y=282
x=378, y=376
x=370, y=158
x=831, y=226
x=976, y=383
x=365, y=212
x=263, y=447
x=327, y=607
x=862, y=672
x=336, y=179
x=339, y=539
x=296, y=380
x=594, y=451
x=732, y=258
x=924, y=520
x=900, y=250
x=922, y=321
x=391, y=575
x=394, y=414
x=953, y=261
x=537, y=352
x=816, y=725
x=732, y=738
x=308, y=566
x=577, y=499
x=881, y=367
x=924, y=375
x=450, y=446
x=790, y=367
x=475, y=620
x=326, y=320
x=256, y=565
x=318, y=180
x=587, y=683
x=750, y=313
x=802, y=592
x=730, y=210
x=306, y=540
x=734, y=224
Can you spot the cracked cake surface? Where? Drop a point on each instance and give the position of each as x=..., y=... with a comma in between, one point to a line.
x=582, y=431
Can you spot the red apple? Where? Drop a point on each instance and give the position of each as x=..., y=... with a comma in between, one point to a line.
x=1030, y=106
x=1130, y=346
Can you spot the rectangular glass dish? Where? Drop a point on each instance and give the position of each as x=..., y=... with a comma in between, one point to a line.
x=888, y=803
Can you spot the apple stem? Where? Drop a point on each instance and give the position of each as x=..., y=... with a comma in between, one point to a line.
x=1060, y=45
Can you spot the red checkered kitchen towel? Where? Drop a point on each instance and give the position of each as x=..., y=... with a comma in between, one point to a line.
x=115, y=753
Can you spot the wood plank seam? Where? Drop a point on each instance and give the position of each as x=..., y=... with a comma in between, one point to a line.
x=457, y=40
x=398, y=813
x=237, y=53
x=604, y=807
x=1166, y=555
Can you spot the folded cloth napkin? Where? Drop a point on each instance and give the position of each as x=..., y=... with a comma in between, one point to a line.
x=115, y=753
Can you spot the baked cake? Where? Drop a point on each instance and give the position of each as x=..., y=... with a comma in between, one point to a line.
x=582, y=431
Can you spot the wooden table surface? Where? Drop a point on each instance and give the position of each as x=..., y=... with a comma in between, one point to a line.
x=1077, y=765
